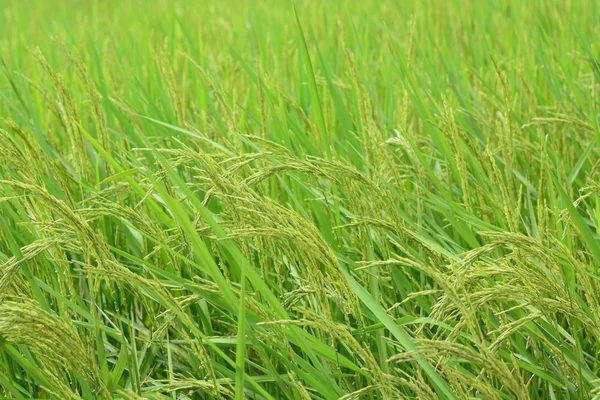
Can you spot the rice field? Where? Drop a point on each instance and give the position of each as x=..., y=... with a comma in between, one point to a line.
x=299, y=199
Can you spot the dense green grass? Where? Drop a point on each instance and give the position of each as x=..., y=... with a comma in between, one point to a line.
x=357, y=200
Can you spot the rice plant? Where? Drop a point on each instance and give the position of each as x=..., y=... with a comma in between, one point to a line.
x=299, y=200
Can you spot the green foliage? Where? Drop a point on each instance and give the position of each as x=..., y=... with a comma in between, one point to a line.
x=299, y=200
